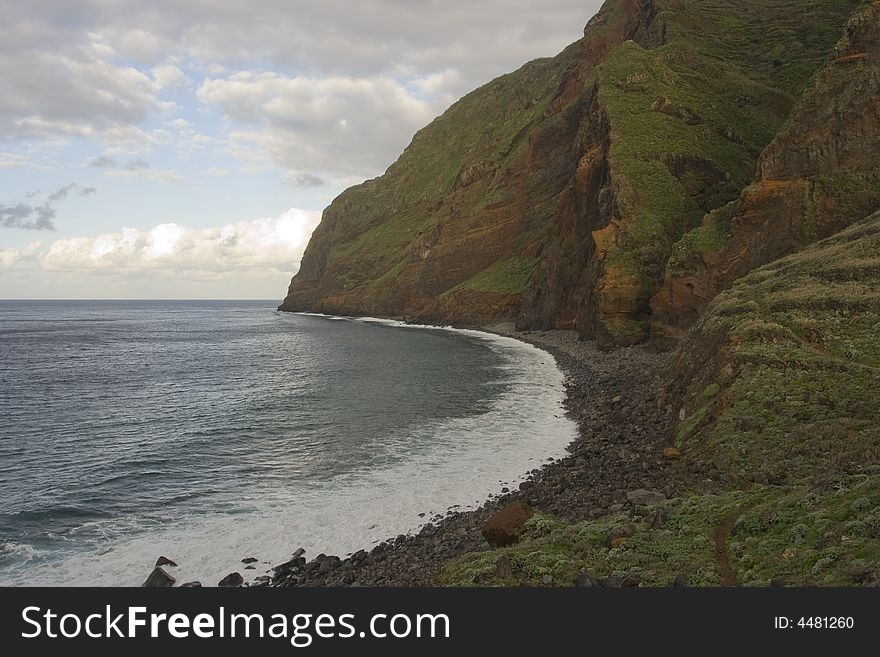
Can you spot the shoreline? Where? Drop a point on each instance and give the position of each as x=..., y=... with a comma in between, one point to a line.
x=613, y=398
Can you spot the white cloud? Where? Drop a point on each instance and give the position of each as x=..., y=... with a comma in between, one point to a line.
x=344, y=125
x=74, y=96
x=9, y=257
x=159, y=175
x=181, y=125
x=379, y=69
x=13, y=161
x=169, y=249
x=168, y=76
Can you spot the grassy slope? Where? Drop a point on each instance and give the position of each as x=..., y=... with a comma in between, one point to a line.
x=784, y=371
x=481, y=132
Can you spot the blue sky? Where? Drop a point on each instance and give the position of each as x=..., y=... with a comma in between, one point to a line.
x=185, y=149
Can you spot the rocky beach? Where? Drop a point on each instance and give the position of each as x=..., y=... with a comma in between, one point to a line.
x=617, y=461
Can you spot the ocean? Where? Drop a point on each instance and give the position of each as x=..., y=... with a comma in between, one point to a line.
x=209, y=432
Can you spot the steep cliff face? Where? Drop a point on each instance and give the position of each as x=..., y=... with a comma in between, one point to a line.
x=553, y=196
x=818, y=176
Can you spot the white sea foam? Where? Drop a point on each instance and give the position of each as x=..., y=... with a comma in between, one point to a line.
x=464, y=462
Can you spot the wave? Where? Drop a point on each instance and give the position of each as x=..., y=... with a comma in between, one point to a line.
x=431, y=466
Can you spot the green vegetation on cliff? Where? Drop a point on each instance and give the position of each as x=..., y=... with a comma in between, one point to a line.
x=817, y=176
x=778, y=386
x=688, y=117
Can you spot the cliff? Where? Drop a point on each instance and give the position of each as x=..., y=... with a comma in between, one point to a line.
x=554, y=196
x=818, y=176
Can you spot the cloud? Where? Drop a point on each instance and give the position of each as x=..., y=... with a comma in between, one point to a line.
x=73, y=96
x=168, y=76
x=137, y=165
x=337, y=84
x=104, y=162
x=345, y=125
x=13, y=161
x=64, y=192
x=228, y=250
x=27, y=217
x=39, y=216
x=137, y=168
x=8, y=258
x=147, y=173
x=305, y=180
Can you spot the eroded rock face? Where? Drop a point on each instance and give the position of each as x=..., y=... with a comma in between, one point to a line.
x=553, y=196
x=817, y=177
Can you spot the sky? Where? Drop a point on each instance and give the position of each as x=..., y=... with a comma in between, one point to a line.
x=185, y=149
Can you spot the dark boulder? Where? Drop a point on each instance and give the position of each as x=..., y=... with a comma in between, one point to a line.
x=328, y=564
x=164, y=561
x=158, y=579
x=504, y=527
x=231, y=580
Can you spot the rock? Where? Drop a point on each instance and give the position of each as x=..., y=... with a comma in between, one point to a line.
x=158, y=579
x=164, y=561
x=584, y=581
x=248, y=560
x=505, y=526
x=617, y=543
x=620, y=532
x=631, y=581
x=611, y=582
x=328, y=564
x=643, y=497
x=504, y=567
x=289, y=568
x=191, y=585
x=231, y=580
x=672, y=453
x=547, y=580
x=262, y=580
x=299, y=553
x=681, y=580
x=249, y=567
